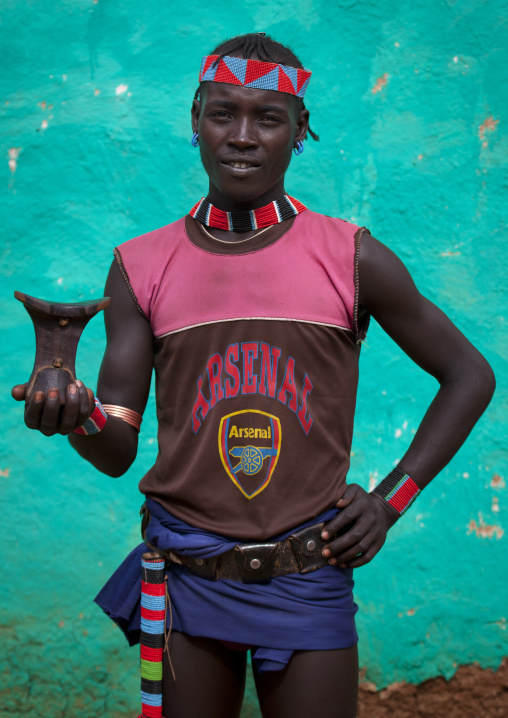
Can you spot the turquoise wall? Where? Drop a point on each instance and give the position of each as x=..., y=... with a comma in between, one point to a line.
x=408, y=100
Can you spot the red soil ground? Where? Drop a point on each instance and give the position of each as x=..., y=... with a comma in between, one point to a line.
x=473, y=692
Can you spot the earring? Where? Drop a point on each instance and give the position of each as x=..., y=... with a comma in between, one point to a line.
x=195, y=139
x=299, y=148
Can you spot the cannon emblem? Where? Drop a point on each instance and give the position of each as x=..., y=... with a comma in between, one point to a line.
x=251, y=460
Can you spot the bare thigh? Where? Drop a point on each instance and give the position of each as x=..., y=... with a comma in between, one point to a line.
x=210, y=679
x=314, y=683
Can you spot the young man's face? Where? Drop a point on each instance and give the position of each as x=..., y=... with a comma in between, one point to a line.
x=246, y=137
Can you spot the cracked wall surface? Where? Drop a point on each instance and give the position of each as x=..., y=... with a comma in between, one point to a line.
x=410, y=102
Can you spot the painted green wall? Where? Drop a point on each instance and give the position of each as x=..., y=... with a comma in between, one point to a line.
x=408, y=100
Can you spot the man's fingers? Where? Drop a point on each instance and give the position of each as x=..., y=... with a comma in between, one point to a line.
x=70, y=411
x=354, y=535
x=18, y=392
x=347, y=496
x=340, y=523
x=362, y=553
x=50, y=413
x=360, y=547
x=47, y=413
x=33, y=410
x=85, y=404
x=351, y=505
x=360, y=560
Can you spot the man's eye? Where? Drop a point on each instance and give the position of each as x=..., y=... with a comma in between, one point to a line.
x=271, y=118
x=219, y=113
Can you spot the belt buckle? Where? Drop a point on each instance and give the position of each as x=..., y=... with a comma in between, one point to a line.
x=256, y=561
x=307, y=545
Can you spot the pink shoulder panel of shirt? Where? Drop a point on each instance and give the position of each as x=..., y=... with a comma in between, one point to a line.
x=307, y=275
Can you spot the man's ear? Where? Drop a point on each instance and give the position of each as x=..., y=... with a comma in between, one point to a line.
x=302, y=125
x=195, y=110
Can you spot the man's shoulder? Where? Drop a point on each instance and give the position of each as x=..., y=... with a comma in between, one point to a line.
x=329, y=220
x=155, y=238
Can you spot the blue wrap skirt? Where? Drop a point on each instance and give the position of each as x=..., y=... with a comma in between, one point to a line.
x=312, y=611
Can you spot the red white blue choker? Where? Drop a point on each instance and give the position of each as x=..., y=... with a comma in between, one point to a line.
x=272, y=213
x=255, y=73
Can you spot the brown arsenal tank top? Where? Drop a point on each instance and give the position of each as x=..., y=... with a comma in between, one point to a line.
x=256, y=362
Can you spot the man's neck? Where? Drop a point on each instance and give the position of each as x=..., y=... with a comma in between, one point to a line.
x=236, y=204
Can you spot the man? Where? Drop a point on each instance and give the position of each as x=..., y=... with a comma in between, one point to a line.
x=252, y=309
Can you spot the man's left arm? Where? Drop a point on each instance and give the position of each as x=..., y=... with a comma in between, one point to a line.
x=466, y=385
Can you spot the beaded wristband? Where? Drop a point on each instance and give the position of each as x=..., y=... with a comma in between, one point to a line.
x=95, y=422
x=399, y=489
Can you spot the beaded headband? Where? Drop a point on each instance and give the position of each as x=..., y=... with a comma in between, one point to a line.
x=255, y=73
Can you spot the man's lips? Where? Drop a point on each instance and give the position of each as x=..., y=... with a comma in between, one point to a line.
x=240, y=169
x=240, y=163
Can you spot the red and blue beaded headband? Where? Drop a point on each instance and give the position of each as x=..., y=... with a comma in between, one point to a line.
x=255, y=74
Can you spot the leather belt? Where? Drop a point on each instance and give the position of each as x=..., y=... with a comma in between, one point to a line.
x=299, y=553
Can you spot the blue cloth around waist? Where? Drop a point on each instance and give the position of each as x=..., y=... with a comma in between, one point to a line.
x=312, y=611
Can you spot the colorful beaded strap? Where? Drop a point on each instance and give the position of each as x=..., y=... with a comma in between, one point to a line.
x=255, y=74
x=272, y=213
x=153, y=621
x=399, y=489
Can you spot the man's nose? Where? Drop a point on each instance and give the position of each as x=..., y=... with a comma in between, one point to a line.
x=243, y=134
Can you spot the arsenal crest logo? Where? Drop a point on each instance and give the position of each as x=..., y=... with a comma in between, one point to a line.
x=249, y=446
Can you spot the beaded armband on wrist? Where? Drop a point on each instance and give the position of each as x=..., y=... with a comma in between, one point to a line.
x=95, y=422
x=399, y=489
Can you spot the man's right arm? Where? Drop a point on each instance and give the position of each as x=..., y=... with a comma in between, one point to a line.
x=124, y=380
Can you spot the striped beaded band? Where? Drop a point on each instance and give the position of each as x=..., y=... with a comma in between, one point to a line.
x=95, y=422
x=255, y=73
x=129, y=415
x=399, y=489
x=272, y=213
x=153, y=620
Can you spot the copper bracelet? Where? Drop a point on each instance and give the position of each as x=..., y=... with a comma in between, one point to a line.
x=128, y=415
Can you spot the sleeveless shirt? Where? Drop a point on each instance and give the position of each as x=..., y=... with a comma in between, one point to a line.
x=256, y=349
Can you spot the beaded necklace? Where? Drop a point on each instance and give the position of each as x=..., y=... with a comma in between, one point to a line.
x=272, y=213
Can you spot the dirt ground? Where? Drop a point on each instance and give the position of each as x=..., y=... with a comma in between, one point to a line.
x=472, y=693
